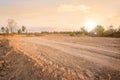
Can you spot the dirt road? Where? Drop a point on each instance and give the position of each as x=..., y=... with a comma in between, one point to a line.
x=87, y=58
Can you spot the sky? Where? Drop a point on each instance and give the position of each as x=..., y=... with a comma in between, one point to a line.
x=59, y=15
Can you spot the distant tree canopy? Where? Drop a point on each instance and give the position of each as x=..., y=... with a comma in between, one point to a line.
x=2, y=29
x=118, y=29
x=12, y=24
x=19, y=31
x=7, y=30
x=84, y=31
x=23, y=29
x=11, y=28
x=99, y=30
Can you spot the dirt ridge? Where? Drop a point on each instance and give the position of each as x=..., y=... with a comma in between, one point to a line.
x=16, y=64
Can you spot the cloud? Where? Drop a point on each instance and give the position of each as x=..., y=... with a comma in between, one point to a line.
x=73, y=8
x=25, y=10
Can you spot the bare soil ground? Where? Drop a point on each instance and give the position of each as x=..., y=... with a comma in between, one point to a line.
x=59, y=58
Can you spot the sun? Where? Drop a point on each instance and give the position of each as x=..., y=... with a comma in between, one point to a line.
x=90, y=25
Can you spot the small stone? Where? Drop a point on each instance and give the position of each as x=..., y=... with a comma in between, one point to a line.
x=81, y=76
x=1, y=62
x=62, y=68
x=43, y=69
x=50, y=63
x=89, y=74
x=29, y=60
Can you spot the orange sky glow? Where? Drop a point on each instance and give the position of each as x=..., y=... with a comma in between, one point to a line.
x=60, y=15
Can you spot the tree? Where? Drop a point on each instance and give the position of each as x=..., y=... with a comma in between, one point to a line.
x=7, y=30
x=84, y=31
x=12, y=24
x=2, y=29
x=23, y=29
x=99, y=30
x=118, y=29
x=19, y=31
x=110, y=29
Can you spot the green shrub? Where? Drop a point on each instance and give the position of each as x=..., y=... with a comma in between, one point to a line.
x=72, y=34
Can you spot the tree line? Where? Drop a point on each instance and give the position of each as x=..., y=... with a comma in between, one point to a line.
x=101, y=32
x=98, y=31
x=11, y=26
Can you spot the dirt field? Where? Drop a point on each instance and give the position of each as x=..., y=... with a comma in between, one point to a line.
x=61, y=58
